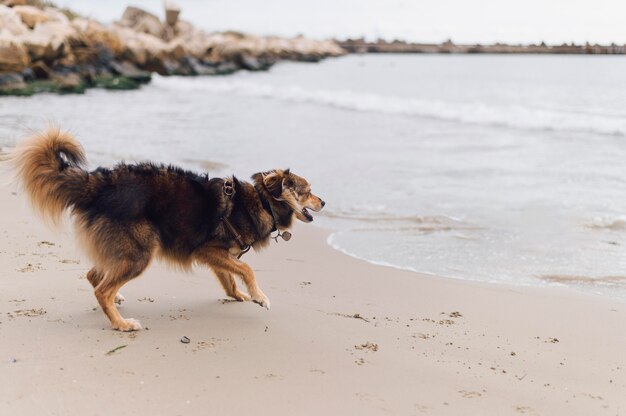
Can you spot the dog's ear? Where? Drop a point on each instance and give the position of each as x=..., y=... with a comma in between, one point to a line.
x=287, y=179
x=274, y=184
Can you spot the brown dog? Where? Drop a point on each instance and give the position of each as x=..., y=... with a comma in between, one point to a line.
x=127, y=215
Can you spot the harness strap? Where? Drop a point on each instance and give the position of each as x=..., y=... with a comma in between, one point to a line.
x=244, y=247
x=229, y=191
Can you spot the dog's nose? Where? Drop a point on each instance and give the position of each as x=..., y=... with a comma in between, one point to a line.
x=323, y=203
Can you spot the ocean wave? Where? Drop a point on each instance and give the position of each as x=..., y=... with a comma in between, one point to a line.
x=359, y=215
x=610, y=281
x=611, y=224
x=512, y=116
x=373, y=220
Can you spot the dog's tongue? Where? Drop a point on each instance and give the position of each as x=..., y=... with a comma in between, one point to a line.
x=306, y=213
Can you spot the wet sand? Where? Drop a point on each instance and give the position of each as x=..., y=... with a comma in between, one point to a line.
x=343, y=337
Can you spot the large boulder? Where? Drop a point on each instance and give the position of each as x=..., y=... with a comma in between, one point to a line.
x=41, y=70
x=130, y=71
x=70, y=83
x=93, y=34
x=56, y=15
x=172, y=11
x=55, y=33
x=11, y=22
x=144, y=50
x=49, y=41
x=11, y=83
x=12, y=3
x=142, y=21
x=31, y=16
x=13, y=56
x=195, y=42
x=37, y=46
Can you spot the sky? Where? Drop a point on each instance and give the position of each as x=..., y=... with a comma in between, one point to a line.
x=463, y=21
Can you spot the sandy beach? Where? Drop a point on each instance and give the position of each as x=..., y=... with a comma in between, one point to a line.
x=343, y=337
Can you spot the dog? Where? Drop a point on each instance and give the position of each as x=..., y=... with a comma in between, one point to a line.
x=128, y=215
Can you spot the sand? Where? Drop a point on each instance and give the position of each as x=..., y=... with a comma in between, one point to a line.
x=343, y=337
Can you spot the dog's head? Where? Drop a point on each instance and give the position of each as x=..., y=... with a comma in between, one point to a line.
x=294, y=191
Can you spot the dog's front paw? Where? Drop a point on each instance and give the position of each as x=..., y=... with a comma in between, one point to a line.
x=119, y=298
x=240, y=296
x=127, y=325
x=262, y=300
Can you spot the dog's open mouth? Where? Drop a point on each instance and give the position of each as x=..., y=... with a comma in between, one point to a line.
x=307, y=214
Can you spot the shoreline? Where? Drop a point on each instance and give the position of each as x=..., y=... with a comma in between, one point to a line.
x=343, y=336
x=540, y=284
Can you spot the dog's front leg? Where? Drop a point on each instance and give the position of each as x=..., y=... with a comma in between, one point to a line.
x=220, y=260
x=247, y=275
x=230, y=286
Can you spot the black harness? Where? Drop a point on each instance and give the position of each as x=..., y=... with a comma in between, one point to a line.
x=229, y=191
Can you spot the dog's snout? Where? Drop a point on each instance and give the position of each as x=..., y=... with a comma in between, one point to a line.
x=323, y=203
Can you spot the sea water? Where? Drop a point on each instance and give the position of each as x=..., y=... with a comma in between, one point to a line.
x=504, y=169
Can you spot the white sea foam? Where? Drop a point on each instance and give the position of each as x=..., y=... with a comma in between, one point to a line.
x=608, y=223
x=481, y=113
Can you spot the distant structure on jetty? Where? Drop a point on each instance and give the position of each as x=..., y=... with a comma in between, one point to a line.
x=398, y=46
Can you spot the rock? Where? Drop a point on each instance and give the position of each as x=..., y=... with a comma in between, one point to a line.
x=67, y=60
x=144, y=50
x=141, y=21
x=31, y=16
x=253, y=63
x=28, y=74
x=70, y=83
x=49, y=41
x=37, y=46
x=41, y=70
x=13, y=56
x=258, y=53
x=56, y=15
x=184, y=29
x=11, y=83
x=58, y=51
x=178, y=52
x=130, y=71
x=200, y=68
x=56, y=33
x=92, y=34
x=226, y=68
x=11, y=3
x=172, y=11
x=193, y=44
x=10, y=21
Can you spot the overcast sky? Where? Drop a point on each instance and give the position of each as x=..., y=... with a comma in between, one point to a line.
x=464, y=21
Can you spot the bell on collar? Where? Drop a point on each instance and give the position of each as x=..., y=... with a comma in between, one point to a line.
x=286, y=236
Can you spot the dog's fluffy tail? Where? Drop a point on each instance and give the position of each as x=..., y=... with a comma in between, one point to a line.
x=49, y=167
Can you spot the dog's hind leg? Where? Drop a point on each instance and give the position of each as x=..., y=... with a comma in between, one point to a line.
x=230, y=286
x=94, y=277
x=108, y=287
x=219, y=259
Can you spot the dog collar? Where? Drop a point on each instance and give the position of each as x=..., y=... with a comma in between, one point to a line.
x=285, y=235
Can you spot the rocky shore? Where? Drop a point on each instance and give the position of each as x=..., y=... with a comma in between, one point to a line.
x=397, y=46
x=47, y=49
